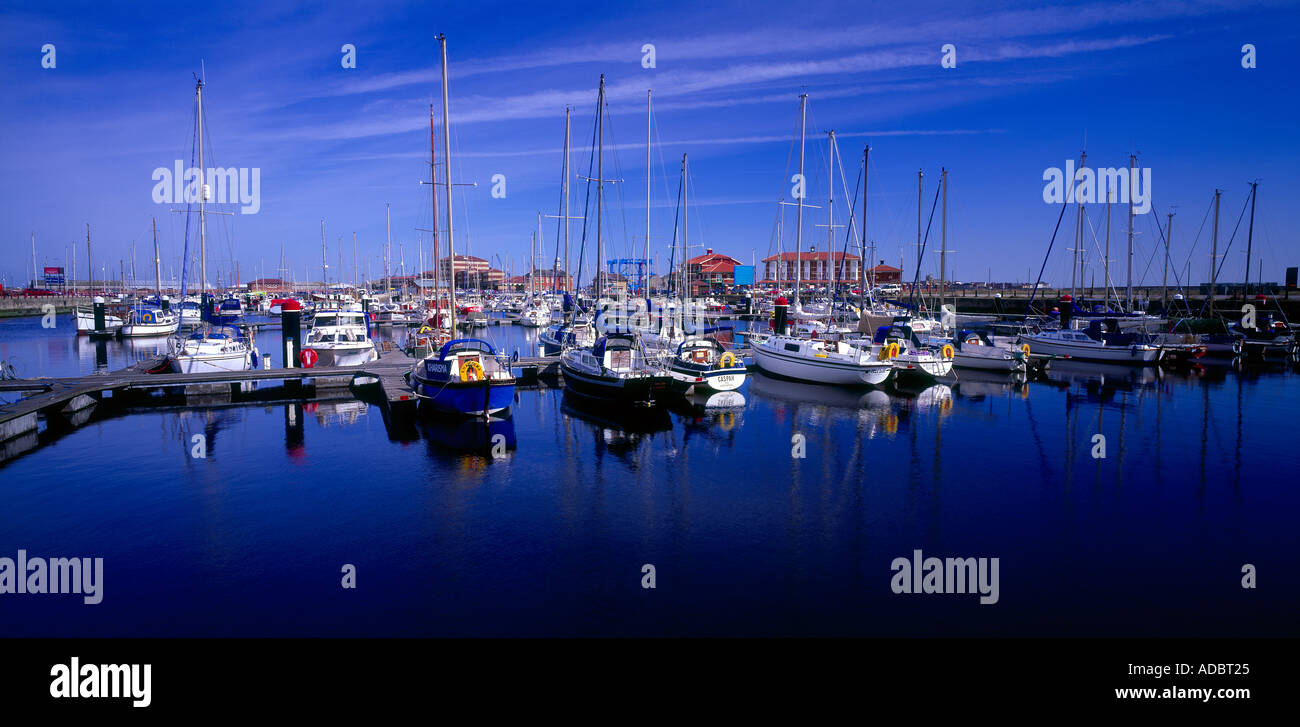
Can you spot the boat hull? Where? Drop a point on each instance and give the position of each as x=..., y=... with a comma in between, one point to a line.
x=1007, y=363
x=469, y=398
x=1084, y=352
x=643, y=390
x=211, y=362
x=835, y=373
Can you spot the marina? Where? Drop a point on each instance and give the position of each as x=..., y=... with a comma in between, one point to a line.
x=787, y=328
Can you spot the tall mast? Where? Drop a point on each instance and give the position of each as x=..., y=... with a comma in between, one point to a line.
x=1077, y=268
x=798, y=235
x=686, y=232
x=862, y=269
x=388, y=248
x=943, y=244
x=433, y=175
x=564, y=192
x=600, y=184
x=157, y=262
x=1214, y=252
x=324, y=262
x=920, y=177
x=203, y=189
x=830, y=220
x=35, y=277
x=1106, y=262
x=1164, y=281
x=354, y=260
x=1128, y=278
x=90, y=268
x=1250, y=237
x=646, y=253
x=446, y=163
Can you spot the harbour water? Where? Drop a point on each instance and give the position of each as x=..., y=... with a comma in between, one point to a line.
x=1198, y=479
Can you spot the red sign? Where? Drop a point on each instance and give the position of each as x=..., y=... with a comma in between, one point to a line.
x=308, y=357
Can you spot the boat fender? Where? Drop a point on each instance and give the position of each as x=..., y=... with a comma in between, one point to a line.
x=146, y=317
x=727, y=360
x=890, y=351
x=1024, y=348
x=471, y=371
x=947, y=350
x=254, y=359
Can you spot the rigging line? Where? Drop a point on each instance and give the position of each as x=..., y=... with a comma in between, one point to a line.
x=849, y=228
x=924, y=240
x=1034, y=293
x=586, y=204
x=672, y=254
x=1196, y=240
x=1235, y=228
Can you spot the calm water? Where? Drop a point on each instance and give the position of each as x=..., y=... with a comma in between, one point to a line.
x=1199, y=478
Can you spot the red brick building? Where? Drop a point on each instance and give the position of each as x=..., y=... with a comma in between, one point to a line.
x=816, y=268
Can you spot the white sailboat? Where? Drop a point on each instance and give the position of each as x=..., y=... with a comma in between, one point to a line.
x=211, y=349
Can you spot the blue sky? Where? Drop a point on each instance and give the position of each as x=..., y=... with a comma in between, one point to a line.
x=1033, y=82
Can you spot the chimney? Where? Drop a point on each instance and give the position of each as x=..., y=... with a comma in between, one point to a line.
x=708, y=251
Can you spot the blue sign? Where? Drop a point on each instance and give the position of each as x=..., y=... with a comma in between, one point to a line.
x=744, y=274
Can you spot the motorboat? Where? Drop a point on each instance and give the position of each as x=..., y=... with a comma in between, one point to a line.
x=466, y=376
x=339, y=337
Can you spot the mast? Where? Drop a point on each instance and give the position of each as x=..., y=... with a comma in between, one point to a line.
x=90, y=274
x=157, y=262
x=564, y=192
x=446, y=163
x=862, y=263
x=686, y=233
x=920, y=177
x=830, y=222
x=433, y=187
x=1164, y=281
x=645, y=255
x=203, y=189
x=1214, y=253
x=1077, y=268
x=1106, y=262
x=35, y=276
x=324, y=262
x=1250, y=238
x=388, y=248
x=943, y=244
x=1128, y=279
x=798, y=236
x=600, y=184
x=354, y=259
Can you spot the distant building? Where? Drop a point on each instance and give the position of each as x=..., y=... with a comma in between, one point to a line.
x=471, y=272
x=271, y=285
x=817, y=268
x=883, y=274
x=711, y=271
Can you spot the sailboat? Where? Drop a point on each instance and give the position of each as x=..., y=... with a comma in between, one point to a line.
x=466, y=375
x=614, y=369
x=815, y=360
x=213, y=348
